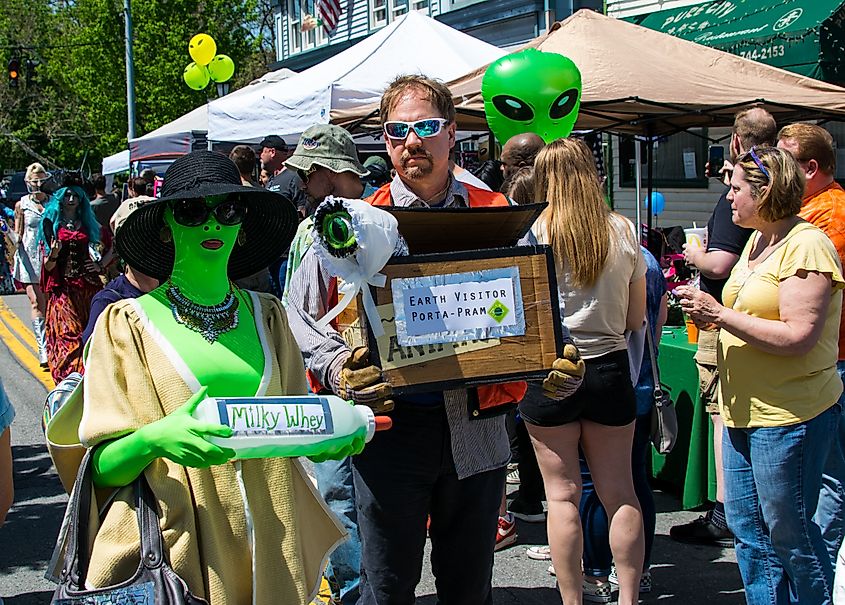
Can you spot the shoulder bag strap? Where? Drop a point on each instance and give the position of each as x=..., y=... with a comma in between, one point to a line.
x=152, y=543
x=77, y=557
x=655, y=371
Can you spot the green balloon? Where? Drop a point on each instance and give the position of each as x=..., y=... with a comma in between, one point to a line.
x=221, y=68
x=196, y=76
x=531, y=91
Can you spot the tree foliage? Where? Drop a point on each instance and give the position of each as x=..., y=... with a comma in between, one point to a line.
x=77, y=103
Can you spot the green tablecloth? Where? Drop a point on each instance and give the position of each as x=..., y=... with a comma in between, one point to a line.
x=689, y=467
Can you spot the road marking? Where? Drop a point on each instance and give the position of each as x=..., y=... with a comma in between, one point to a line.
x=14, y=334
x=17, y=326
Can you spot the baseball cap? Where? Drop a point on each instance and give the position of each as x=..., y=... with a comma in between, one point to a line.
x=329, y=146
x=274, y=141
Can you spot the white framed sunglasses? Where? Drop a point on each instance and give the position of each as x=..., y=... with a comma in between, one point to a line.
x=423, y=128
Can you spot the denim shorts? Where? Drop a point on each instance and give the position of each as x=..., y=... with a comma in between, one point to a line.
x=605, y=397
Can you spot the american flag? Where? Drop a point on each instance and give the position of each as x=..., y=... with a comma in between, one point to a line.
x=329, y=11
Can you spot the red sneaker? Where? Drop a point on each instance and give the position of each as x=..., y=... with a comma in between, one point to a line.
x=506, y=533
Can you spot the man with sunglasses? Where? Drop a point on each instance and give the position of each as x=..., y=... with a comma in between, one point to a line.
x=435, y=461
x=725, y=242
x=824, y=206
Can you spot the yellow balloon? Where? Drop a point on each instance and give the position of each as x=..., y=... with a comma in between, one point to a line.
x=202, y=49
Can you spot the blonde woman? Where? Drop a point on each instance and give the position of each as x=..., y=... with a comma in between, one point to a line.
x=601, y=282
x=28, y=258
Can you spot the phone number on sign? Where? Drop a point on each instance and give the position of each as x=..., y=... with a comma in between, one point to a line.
x=765, y=52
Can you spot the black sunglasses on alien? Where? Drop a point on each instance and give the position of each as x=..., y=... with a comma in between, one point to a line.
x=195, y=212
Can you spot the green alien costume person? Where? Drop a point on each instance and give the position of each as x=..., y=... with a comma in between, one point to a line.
x=532, y=91
x=238, y=532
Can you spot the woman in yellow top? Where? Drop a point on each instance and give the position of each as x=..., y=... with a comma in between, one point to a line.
x=779, y=389
x=238, y=532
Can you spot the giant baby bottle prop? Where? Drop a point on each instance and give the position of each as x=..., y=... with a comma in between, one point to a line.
x=312, y=425
x=531, y=91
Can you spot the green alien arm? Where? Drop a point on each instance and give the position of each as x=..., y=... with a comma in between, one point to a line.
x=178, y=437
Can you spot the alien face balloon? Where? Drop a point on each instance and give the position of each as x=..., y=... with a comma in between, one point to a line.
x=531, y=91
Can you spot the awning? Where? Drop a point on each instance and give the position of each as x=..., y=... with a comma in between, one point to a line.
x=804, y=37
x=116, y=163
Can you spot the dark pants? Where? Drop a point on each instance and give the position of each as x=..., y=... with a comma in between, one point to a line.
x=404, y=475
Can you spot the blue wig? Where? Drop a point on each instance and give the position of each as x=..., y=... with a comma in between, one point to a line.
x=53, y=211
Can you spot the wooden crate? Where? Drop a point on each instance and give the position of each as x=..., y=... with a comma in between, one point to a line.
x=440, y=366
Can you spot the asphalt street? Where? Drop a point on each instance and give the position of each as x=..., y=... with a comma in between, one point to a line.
x=683, y=574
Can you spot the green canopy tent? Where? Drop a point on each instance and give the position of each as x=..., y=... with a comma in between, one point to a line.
x=805, y=37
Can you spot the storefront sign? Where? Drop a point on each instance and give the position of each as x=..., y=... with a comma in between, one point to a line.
x=457, y=307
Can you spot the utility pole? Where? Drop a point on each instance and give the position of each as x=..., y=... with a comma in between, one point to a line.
x=130, y=72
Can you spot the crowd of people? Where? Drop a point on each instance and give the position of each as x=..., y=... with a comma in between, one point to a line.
x=126, y=278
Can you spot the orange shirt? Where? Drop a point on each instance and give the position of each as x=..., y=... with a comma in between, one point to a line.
x=826, y=210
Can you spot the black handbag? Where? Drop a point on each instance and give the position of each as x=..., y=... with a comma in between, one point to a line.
x=155, y=582
x=664, y=418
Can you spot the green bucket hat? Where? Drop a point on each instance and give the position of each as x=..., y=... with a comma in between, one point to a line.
x=328, y=146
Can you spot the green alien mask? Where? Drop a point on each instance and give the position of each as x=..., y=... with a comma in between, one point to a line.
x=531, y=91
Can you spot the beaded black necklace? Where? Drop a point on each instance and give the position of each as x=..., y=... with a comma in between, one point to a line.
x=210, y=321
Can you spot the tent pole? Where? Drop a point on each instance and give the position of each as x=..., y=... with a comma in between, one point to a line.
x=649, y=158
x=638, y=175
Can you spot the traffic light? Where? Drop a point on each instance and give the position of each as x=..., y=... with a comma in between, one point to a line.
x=29, y=65
x=14, y=72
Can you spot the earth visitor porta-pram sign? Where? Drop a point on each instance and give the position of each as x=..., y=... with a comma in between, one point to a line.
x=458, y=307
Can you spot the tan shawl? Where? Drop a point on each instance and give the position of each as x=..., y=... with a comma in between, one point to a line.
x=134, y=377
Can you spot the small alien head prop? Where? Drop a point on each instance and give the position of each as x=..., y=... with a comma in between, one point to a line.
x=531, y=91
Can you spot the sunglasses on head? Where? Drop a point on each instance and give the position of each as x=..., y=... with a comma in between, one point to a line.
x=423, y=128
x=753, y=155
x=195, y=212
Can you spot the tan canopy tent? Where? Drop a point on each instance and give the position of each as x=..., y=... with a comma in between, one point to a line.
x=640, y=81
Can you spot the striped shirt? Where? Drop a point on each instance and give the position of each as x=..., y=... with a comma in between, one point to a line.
x=478, y=445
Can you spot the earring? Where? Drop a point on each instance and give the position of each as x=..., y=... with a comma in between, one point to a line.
x=241, y=237
x=165, y=235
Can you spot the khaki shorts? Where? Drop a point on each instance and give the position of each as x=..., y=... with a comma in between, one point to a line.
x=708, y=374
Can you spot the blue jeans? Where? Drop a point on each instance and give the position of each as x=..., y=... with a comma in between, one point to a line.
x=334, y=480
x=772, y=482
x=830, y=514
x=594, y=522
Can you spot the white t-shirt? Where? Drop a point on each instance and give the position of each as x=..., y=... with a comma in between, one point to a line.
x=596, y=316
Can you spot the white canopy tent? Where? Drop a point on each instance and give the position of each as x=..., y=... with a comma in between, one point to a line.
x=355, y=77
x=116, y=163
x=188, y=132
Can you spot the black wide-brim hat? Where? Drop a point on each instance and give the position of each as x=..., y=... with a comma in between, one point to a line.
x=269, y=225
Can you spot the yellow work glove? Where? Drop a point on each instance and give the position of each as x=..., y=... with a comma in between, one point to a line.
x=566, y=375
x=354, y=378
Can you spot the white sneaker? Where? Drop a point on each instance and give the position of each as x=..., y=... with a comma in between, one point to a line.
x=599, y=592
x=646, y=581
x=539, y=553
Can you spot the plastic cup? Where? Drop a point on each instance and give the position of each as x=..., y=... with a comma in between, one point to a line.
x=696, y=237
x=692, y=331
